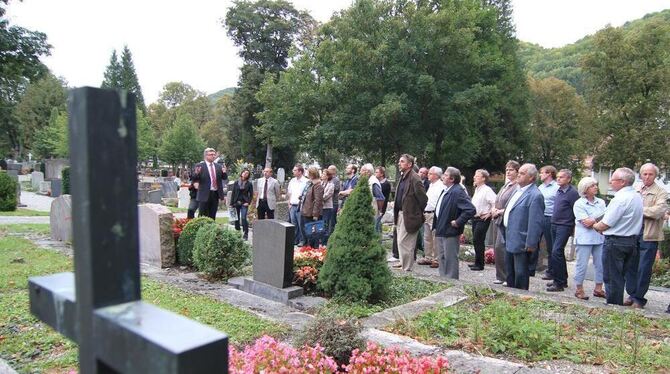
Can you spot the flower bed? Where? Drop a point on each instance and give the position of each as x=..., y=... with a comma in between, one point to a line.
x=178, y=227
x=307, y=262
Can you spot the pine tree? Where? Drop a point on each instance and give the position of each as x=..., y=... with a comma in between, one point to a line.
x=355, y=267
x=128, y=78
x=113, y=73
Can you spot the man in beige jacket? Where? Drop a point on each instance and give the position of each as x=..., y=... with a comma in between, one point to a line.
x=654, y=199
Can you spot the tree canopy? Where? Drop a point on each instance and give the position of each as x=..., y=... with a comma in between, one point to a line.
x=121, y=75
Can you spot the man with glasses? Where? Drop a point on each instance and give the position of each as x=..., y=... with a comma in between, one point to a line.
x=296, y=187
x=208, y=179
x=621, y=226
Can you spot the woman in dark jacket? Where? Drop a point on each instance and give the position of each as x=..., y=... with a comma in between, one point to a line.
x=240, y=199
x=312, y=204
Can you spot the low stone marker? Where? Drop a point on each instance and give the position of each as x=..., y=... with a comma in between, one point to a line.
x=37, y=177
x=56, y=187
x=156, y=240
x=60, y=218
x=45, y=187
x=169, y=189
x=154, y=196
x=184, y=197
x=281, y=211
x=272, y=263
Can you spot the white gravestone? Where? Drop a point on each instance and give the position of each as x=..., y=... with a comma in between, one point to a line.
x=37, y=177
x=184, y=197
x=156, y=240
x=60, y=218
x=45, y=186
x=281, y=175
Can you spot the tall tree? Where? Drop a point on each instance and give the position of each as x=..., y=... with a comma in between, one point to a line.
x=52, y=140
x=560, y=125
x=628, y=76
x=121, y=75
x=265, y=31
x=20, y=51
x=181, y=144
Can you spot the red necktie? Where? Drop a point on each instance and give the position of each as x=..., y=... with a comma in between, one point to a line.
x=212, y=174
x=265, y=189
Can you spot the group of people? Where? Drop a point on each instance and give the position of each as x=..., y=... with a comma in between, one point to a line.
x=622, y=237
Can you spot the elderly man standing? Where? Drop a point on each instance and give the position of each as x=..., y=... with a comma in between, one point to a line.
x=410, y=202
x=434, y=191
x=562, y=227
x=505, y=193
x=268, y=192
x=548, y=187
x=208, y=179
x=654, y=206
x=621, y=226
x=452, y=210
x=523, y=227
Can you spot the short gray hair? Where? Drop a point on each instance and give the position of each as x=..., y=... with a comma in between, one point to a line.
x=454, y=174
x=532, y=170
x=567, y=172
x=484, y=174
x=585, y=184
x=626, y=174
x=204, y=153
x=650, y=165
x=368, y=167
x=437, y=170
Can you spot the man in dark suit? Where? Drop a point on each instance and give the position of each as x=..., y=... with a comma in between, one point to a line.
x=523, y=218
x=209, y=176
x=268, y=193
x=452, y=211
x=410, y=201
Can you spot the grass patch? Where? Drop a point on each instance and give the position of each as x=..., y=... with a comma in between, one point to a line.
x=30, y=346
x=177, y=210
x=530, y=330
x=403, y=289
x=23, y=212
x=42, y=229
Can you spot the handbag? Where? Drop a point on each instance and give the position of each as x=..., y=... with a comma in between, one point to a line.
x=315, y=228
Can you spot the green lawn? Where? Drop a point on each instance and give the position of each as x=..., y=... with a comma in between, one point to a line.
x=42, y=229
x=25, y=212
x=30, y=346
x=530, y=330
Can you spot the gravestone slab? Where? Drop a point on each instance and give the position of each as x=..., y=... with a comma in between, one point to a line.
x=45, y=187
x=156, y=240
x=273, y=252
x=154, y=196
x=54, y=168
x=25, y=178
x=37, y=177
x=56, y=187
x=60, y=218
x=169, y=189
x=142, y=195
x=281, y=211
x=281, y=175
x=184, y=197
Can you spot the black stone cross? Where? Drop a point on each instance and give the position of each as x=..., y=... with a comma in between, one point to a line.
x=100, y=306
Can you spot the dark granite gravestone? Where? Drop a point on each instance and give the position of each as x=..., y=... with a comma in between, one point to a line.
x=100, y=306
x=56, y=187
x=272, y=263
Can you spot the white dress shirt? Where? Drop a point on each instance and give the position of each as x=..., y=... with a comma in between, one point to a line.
x=512, y=201
x=484, y=200
x=433, y=193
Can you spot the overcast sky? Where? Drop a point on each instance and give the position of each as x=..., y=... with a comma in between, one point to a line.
x=184, y=41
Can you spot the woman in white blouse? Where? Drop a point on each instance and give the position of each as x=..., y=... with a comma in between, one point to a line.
x=484, y=200
x=588, y=210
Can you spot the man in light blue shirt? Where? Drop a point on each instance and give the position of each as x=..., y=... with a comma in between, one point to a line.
x=621, y=226
x=548, y=188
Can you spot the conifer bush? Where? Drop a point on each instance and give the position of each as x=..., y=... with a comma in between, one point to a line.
x=355, y=268
x=219, y=252
x=7, y=193
x=338, y=337
x=186, y=240
x=65, y=176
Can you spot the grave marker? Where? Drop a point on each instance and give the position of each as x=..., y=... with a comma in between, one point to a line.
x=100, y=306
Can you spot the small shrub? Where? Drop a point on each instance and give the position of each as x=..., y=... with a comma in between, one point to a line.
x=382, y=360
x=219, y=252
x=267, y=355
x=664, y=246
x=187, y=240
x=338, y=337
x=7, y=193
x=65, y=176
x=660, y=275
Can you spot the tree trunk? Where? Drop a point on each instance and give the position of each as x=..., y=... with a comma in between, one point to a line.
x=268, y=156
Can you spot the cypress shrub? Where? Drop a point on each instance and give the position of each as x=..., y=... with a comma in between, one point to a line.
x=65, y=176
x=186, y=240
x=7, y=193
x=337, y=336
x=355, y=267
x=219, y=252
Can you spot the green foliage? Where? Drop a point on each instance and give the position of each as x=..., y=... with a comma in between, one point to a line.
x=629, y=86
x=228, y=91
x=664, y=246
x=121, y=75
x=52, y=140
x=146, y=137
x=65, y=176
x=220, y=252
x=355, y=268
x=112, y=75
x=181, y=143
x=7, y=192
x=337, y=336
x=660, y=275
x=186, y=240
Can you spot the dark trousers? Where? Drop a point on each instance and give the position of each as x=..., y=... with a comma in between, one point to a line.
x=192, y=207
x=327, y=217
x=394, y=249
x=242, y=217
x=264, y=211
x=479, y=228
x=638, y=275
x=208, y=208
x=618, y=254
x=548, y=241
x=559, y=269
x=333, y=217
x=516, y=265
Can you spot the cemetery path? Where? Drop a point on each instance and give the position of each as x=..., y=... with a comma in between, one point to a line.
x=35, y=201
x=14, y=220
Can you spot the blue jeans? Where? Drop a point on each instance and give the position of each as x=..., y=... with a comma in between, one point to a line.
x=618, y=254
x=516, y=265
x=638, y=275
x=242, y=216
x=294, y=217
x=548, y=241
x=584, y=252
x=559, y=269
x=327, y=217
x=378, y=224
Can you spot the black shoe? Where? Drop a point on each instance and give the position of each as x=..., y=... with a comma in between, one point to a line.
x=555, y=288
x=547, y=277
x=550, y=283
x=668, y=310
x=476, y=268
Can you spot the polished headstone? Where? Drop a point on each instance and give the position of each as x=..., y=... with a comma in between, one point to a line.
x=60, y=218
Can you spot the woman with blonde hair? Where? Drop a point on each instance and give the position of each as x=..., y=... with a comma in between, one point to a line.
x=312, y=203
x=588, y=210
